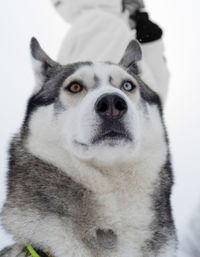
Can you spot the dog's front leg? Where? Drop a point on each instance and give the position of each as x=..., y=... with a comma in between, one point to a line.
x=15, y=251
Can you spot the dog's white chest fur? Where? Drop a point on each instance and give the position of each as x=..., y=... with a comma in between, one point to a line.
x=124, y=198
x=126, y=209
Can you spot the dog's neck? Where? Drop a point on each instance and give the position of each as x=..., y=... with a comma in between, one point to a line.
x=145, y=165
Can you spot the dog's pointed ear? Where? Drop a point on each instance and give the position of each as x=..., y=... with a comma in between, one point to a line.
x=132, y=55
x=42, y=63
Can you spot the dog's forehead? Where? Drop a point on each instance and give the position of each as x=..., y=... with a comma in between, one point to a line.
x=99, y=74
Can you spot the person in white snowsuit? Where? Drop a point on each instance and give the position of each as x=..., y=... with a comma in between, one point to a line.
x=101, y=30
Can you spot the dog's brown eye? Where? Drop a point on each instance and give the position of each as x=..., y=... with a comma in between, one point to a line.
x=75, y=88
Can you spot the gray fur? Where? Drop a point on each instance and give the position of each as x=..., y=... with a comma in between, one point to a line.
x=133, y=54
x=6, y=251
x=36, y=185
x=46, y=188
x=163, y=211
x=39, y=54
x=16, y=251
x=49, y=191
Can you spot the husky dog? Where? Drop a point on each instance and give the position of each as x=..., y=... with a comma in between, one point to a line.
x=89, y=171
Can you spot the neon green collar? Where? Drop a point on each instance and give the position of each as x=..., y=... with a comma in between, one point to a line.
x=34, y=253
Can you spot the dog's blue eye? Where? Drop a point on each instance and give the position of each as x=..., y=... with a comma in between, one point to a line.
x=128, y=86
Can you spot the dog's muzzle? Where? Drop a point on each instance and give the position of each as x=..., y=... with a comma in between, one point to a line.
x=111, y=109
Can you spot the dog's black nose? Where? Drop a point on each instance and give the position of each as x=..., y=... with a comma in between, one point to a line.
x=111, y=106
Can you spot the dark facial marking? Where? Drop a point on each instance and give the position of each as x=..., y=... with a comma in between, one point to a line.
x=57, y=3
x=97, y=80
x=147, y=94
x=110, y=79
x=58, y=106
x=51, y=87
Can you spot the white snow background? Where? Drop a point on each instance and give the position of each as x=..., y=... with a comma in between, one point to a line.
x=180, y=19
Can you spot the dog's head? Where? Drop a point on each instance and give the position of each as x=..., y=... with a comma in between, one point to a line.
x=101, y=112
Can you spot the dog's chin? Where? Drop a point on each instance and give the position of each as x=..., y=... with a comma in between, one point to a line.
x=107, y=149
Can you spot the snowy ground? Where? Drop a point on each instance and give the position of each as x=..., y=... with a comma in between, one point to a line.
x=20, y=20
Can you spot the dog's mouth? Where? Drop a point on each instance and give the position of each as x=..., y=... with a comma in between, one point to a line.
x=111, y=136
x=110, y=133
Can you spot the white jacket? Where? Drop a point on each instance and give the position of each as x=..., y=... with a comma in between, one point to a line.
x=100, y=32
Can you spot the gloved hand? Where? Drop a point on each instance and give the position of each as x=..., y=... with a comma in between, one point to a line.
x=146, y=30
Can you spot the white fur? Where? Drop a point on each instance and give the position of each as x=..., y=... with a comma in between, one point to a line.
x=54, y=234
x=121, y=177
x=39, y=78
